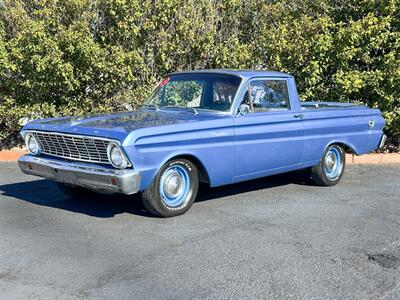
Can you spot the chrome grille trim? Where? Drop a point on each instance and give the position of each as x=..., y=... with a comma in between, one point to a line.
x=73, y=147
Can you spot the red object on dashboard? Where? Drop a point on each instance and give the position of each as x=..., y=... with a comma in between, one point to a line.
x=165, y=81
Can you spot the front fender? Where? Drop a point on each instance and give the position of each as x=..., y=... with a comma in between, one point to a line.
x=148, y=175
x=212, y=145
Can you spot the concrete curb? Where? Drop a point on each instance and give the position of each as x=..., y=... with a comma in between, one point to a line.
x=373, y=158
x=11, y=155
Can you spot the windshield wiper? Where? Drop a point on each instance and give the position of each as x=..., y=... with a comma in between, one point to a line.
x=192, y=109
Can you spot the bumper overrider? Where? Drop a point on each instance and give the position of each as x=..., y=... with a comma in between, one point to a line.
x=97, y=178
x=382, y=141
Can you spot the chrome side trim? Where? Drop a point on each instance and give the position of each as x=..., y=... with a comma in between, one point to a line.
x=81, y=174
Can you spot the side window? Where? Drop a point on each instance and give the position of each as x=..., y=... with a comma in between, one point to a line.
x=267, y=95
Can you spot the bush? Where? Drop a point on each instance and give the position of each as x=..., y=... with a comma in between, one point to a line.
x=84, y=56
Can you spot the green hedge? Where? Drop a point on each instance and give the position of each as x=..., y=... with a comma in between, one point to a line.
x=60, y=57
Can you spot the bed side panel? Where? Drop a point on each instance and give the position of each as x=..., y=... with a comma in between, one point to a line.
x=360, y=129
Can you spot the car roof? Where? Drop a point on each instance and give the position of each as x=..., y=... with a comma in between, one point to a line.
x=241, y=73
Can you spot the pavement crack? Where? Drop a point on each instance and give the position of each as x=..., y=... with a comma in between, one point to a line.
x=386, y=260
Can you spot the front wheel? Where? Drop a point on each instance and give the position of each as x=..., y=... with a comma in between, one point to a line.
x=173, y=190
x=330, y=169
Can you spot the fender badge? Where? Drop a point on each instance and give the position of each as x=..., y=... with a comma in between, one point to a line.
x=219, y=133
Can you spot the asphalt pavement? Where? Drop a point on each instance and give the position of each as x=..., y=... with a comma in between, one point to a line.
x=278, y=237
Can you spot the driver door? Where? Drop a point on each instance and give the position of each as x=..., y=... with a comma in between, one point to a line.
x=269, y=138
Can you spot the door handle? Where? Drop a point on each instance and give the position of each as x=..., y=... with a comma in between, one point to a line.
x=300, y=116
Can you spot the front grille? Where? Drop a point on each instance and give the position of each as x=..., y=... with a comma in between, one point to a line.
x=72, y=147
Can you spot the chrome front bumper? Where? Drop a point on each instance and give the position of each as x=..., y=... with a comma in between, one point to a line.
x=82, y=174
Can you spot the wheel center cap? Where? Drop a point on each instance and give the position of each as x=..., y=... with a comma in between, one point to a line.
x=173, y=185
x=331, y=161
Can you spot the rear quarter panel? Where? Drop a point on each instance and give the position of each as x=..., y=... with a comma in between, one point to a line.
x=349, y=126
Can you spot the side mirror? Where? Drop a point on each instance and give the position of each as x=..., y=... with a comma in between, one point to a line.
x=244, y=109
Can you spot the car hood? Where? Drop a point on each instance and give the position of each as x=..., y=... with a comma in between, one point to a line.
x=119, y=125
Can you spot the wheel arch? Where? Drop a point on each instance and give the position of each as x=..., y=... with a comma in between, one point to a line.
x=203, y=174
x=348, y=147
x=148, y=174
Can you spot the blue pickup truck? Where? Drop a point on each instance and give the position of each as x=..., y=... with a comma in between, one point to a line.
x=212, y=126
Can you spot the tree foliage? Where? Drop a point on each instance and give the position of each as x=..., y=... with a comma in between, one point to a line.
x=61, y=57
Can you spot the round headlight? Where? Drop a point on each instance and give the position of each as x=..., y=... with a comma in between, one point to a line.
x=116, y=156
x=32, y=144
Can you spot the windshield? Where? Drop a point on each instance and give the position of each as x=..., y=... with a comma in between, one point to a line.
x=196, y=91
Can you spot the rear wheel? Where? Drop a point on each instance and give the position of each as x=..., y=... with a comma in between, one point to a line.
x=173, y=190
x=331, y=167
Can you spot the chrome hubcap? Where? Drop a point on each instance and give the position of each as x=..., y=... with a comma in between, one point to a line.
x=173, y=185
x=333, y=163
x=330, y=161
